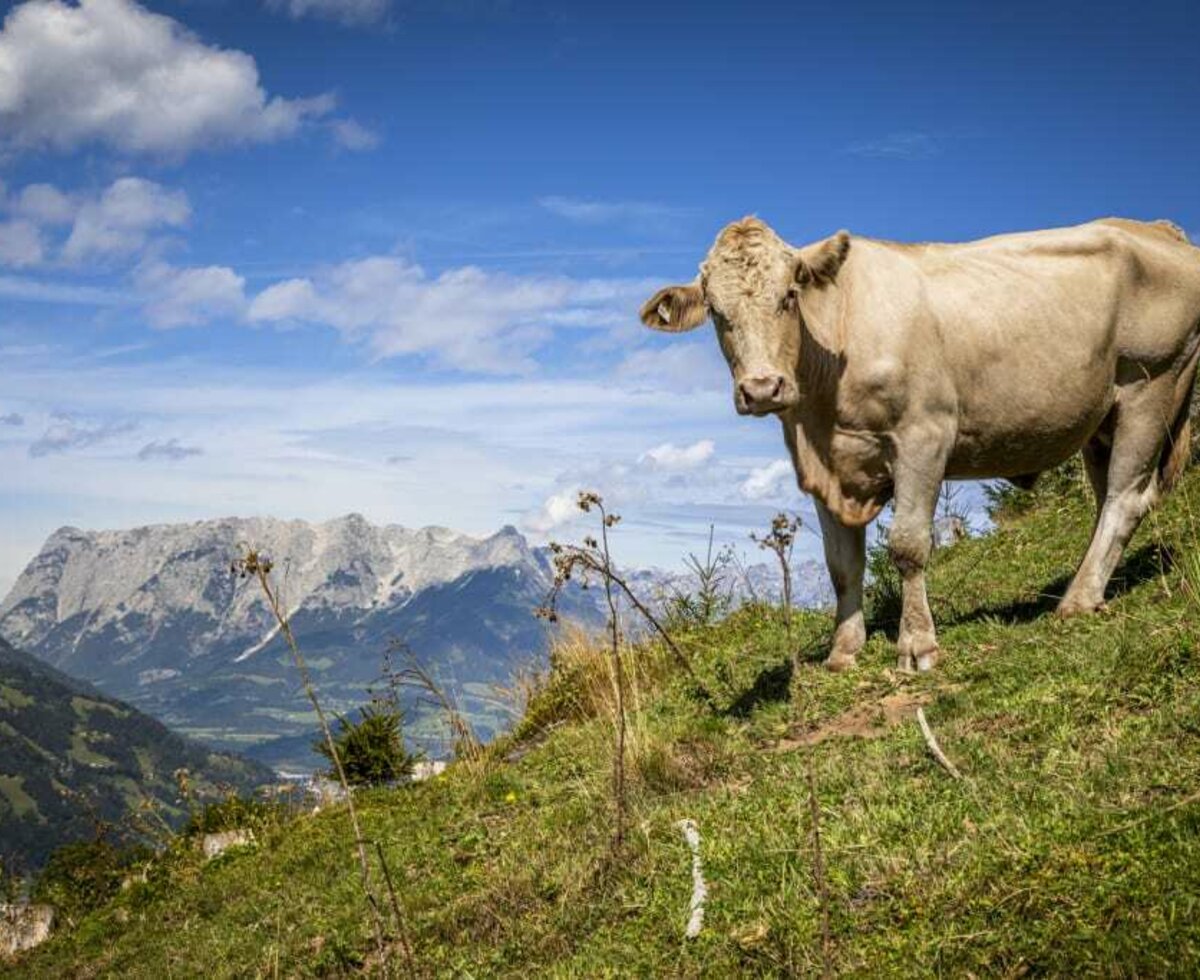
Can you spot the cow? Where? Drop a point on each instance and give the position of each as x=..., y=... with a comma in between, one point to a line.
x=893, y=367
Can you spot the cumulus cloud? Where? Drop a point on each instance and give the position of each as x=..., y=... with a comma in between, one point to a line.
x=169, y=449
x=121, y=219
x=44, y=204
x=65, y=434
x=21, y=244
x=668, y=456
x=767, y=481
x=557, y=510
x=189, y=297
x=344, y=11
x=113, y=72
x=12, y=418
x=464, y=318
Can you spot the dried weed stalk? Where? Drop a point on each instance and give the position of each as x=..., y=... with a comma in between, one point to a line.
x=253, y=564
x=780, y=540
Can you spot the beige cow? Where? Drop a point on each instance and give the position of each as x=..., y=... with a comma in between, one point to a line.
x=895, y=366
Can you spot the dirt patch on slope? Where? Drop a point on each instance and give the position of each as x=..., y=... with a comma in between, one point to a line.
x=870, y=720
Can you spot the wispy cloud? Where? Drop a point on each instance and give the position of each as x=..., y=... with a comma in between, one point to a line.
x=48, y=291
x=352, y=135
x=609, y=212
x=170, y=449
x=898, y=146
x=12, y=419
x=344, y=11
x=465, y=318
x=65, y=434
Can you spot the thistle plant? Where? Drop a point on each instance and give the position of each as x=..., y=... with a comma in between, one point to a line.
x=780, y=540
x=592, y=559
x=253, y=564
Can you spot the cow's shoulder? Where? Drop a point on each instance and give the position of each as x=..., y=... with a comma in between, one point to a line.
x=1161, y=228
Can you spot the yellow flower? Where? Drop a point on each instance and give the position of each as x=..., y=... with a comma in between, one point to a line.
x=510, y=797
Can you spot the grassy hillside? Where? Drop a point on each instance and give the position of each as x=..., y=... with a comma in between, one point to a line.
x=71, y=757
x=1071, y=846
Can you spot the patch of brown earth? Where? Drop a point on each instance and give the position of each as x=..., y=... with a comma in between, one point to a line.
x=871, y=720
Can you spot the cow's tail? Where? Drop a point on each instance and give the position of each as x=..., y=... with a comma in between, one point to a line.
x=1178, y=448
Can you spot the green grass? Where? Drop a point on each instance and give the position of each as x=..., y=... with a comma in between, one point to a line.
x=1071, y=847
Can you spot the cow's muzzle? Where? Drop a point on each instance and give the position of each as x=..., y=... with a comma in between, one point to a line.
x=762, y=396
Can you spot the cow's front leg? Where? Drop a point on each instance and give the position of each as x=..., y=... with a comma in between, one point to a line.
x=918, y=473
x=845, y=556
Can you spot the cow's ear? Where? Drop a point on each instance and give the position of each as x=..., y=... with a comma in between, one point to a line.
x=676, y=309
x=818, y=265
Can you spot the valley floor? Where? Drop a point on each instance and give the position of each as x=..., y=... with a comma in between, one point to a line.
x=1070, y=847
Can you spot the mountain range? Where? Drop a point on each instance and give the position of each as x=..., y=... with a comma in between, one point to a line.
x=153, y=615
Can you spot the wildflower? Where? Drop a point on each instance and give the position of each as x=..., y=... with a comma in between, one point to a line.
x=510, y=797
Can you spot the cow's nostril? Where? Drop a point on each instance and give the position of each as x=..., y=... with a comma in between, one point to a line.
x=762, y=391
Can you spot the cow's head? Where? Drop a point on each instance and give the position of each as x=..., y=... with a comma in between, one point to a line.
x=750, y=286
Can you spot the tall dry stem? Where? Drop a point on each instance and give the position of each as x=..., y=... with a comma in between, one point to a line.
x=254, y=565
x=779, y=541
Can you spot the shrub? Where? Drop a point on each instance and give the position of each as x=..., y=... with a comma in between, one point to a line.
x=372, y=748
x=884, y=590
x=232, y=813
x=84, y=875
x=1006, y=500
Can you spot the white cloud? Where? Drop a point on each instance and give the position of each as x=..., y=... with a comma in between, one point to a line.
x=44, y=204
x=113, y=72
x=558, y=509
x=122, y=218
x=352, y=135
x=21, y=243
x=668, y=456
x=464, y=318
x=767, y=481
x=345, y=11
x=188, y=297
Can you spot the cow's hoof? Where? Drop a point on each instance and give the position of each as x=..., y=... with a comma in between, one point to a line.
x=1071, y=607
x=837, y=662
x=918, y=653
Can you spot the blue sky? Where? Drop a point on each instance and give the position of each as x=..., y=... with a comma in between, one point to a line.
x=306, y=257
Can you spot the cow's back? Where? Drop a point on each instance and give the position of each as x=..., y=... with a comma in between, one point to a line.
x=1022, y=336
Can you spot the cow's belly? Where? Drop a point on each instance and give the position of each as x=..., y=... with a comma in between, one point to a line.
x=1011, y=423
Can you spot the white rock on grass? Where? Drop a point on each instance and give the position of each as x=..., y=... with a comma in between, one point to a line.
x=24, y=927
x=214, y=845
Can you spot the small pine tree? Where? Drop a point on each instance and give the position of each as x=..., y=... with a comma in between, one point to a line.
x=372, y=747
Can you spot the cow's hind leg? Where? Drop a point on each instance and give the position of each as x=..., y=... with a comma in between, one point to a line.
x=845, y=555
x=1126, y=490
x=1097, y=454
x=918, y=471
